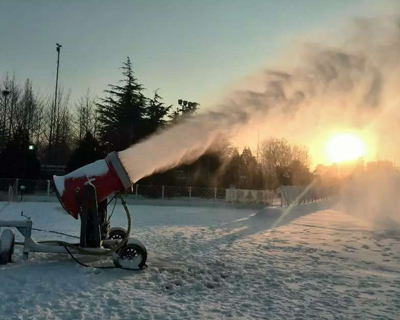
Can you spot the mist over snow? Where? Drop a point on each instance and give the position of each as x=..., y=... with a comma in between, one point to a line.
x=373, y=198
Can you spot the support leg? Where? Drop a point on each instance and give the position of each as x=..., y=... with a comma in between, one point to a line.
x=90, y=227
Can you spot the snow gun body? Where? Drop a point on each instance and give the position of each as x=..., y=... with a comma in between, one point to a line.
x=84, y=194
x=108, y=176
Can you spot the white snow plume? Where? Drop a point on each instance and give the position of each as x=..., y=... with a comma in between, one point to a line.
x=183, y=143
x=374, y=197
x=353, y=85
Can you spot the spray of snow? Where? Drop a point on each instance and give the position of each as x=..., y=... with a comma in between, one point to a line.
x=374, y=197
x=351, y=84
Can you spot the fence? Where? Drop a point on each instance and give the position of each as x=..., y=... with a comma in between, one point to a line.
x=253, y=196
x=17, y=188
x=20, y=187
x=292, y=195
x=142, y=192
x=26, y=186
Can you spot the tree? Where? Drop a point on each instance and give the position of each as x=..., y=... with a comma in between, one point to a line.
x=231, y=176
x=276, y=152
x=18, y=160
x=122, y=113
x=31, y=115
x=9, y=106
x=22, y=111
x=156, y=113
x=300, y=167
x=58, y=135
x=276, y=156
x=300, y=174
x=301, y=155
x=248, y=168
x=86, y=116
x=185, y=109
x=205, y=170
x=87, y=152
x=284, y=164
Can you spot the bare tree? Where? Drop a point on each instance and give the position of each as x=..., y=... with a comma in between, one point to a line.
x=29, y=114
x=275, y=153
x=301, y=155
x=284, y=164
x=86, y=116
x=20, y=111
x=58, y=134
x=9, y=106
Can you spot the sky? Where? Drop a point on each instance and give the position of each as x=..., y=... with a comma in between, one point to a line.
x=195, y=50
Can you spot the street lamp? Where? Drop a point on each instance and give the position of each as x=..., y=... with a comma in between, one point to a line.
x=54, y=111
x=58, y=48
x=187, y=106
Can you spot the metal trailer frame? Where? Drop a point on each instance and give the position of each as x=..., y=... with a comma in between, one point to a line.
x=30, y=245
x=92, y=242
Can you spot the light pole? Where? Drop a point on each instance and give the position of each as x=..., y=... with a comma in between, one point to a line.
x=188, y=106
x=54, y=112
x=58, y=48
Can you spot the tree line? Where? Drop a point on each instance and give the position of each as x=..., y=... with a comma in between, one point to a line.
x=37, y=130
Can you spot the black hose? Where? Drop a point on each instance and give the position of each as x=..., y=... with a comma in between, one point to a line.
x=56, y=232
x=83, y=251
x=99, y=267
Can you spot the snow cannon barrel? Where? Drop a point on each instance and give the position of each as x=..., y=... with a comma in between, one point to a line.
x=107, y=175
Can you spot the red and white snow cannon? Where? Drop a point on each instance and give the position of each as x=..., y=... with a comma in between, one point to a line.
x=108, y=176
x=84, y=194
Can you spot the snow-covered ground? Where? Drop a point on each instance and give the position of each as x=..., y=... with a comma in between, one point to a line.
x=213, y=263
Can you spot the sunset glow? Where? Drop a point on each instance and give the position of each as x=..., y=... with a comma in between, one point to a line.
x=345, y=147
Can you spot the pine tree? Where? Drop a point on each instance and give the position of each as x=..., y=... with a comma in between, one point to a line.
x=18, y=160
x=122, y=113
x=87, y=152
x=248, y=168
x=232, y=172
x=156, y=112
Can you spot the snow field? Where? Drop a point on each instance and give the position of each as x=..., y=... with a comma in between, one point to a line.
x=213, y=263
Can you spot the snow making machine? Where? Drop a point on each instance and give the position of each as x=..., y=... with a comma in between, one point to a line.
x=84, y=193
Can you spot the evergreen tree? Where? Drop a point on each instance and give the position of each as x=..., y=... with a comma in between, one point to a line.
x=189, y=108
x=231, y=177
x=248, y=168
x=88, y=151
x=122, y=113
x=18, y=160
x=156, y=113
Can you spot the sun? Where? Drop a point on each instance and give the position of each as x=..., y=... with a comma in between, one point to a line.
x=345, y=147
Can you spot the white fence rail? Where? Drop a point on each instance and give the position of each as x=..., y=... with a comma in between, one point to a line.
x=292, y=195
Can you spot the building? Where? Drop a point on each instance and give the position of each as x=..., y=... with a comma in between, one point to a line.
x=338, y=171
x=380, y=166
x=349, y=168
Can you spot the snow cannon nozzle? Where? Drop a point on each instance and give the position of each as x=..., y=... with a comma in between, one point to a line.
x=107, y=175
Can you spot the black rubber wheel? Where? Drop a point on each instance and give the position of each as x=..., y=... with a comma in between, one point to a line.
x=7, y=253
x=117, y=233
x=131, y=252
